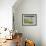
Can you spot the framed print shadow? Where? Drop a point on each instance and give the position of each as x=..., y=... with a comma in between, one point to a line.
x=29, y=19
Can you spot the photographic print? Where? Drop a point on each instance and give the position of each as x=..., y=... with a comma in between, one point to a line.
x=29, y=19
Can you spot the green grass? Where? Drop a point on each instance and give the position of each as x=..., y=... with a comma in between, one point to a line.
x=28, y=21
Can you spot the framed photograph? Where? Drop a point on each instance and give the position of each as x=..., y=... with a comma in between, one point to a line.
x=29, y=19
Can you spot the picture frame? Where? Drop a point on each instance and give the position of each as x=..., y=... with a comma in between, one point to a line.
x=29, y=19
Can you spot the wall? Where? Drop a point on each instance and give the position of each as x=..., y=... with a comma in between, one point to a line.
x=43, y=22
x=28, y=7
x=6, y=13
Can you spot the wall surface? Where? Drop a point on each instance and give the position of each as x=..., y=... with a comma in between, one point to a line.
x=43, y=22
x=28, y=7
x=6, y=13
